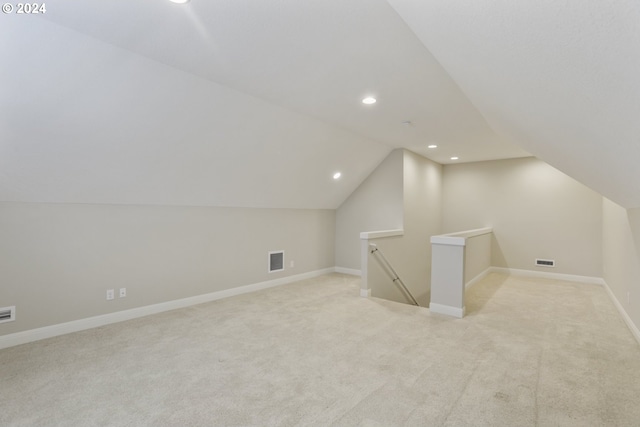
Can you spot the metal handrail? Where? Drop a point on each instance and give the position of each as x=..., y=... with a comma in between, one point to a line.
x=395, y=275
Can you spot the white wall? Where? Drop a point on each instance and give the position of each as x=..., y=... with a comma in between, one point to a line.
x=58, y=260
x=477, y=256
x=422, y=219
x=621, y=256
x=377, y=204
x=410, y=255
x=535, y=210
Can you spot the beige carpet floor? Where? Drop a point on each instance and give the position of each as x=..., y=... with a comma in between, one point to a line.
x=313, y=353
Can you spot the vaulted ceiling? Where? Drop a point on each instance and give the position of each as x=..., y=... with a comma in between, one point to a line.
x=559, y=78
x=258, y=103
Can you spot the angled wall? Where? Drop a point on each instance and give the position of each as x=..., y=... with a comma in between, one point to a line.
x=377, y=204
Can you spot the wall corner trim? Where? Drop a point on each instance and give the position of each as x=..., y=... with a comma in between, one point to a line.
x=447, y=310
x=632, y=326
x=478, y=278
x=51, y=331
x=345, y=270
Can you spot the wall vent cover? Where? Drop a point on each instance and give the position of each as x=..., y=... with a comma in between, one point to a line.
x=545, y=262
x=276, y=261
x=7, y=314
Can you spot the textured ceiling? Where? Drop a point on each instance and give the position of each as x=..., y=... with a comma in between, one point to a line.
x=257, y=103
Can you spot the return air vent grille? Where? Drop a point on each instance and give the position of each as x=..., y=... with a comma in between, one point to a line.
x=7, y=314
x=545, y=262
x=276, y=261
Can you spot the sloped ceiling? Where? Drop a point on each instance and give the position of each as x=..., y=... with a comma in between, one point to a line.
x=257, y=103
x=561, y=78
x=86, y=122
x=220, y=103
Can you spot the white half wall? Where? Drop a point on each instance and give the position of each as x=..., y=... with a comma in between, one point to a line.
x=458, y=261
x=58, y=260
x=477, y=256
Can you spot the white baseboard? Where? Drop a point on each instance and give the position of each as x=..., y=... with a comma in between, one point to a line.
x=351, y=271
x=365, y=293
x=478, y=278
x=31, y=335
x=447, y=310
x=547, y=275
x=573, y=278
x=632, y=327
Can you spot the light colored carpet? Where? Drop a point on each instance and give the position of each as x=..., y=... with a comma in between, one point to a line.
x=529, y=352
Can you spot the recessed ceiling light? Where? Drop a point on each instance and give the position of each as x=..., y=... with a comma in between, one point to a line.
x=369, y=100
x=337, y=175
x=432, y=146
x=454, y=158
x=179, y=1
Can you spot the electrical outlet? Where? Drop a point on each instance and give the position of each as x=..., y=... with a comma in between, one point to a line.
x=292, y=264
x=110, y=294
x=123, y=292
